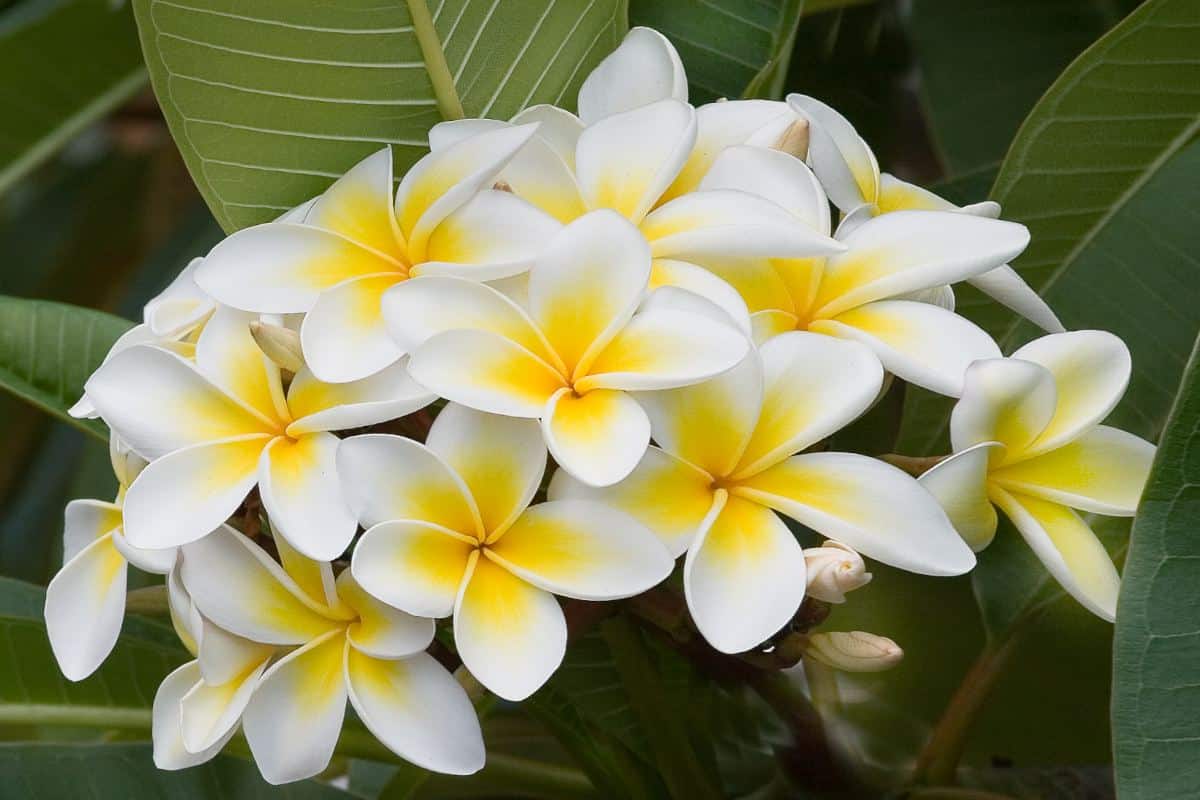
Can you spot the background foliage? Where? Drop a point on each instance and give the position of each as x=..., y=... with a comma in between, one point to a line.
x=1079, y=116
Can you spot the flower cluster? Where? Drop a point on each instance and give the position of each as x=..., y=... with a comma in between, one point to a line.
x=564, y=352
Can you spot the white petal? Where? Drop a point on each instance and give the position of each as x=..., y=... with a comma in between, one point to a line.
x=582, y=549
x=179, y=308
x=731, y=223
x=871, y=506
x=587, y=283
x=687, y=287
x=282, y=267
x=186, y=494
x=598, y=437
x=159, y=403
x=493, y=235
x=959, y=484
x=226, y=657
x=1006, y=287
x=209, y=714
x=812, y=387
x=626, y=161
x=511, y=635
x=417, y=709
x=1091, y=370
x=381, y=630
x=84, y=408
x=744, y=577
x=158, y=562
x=725, y=123
x=359, y=206
x=388, y=478
x=909, y=250
x=662, y=348
x=295, y=716
x=1003, y=400
x=841, y=159
x=779, y=177
x=417, y=310
x=500, y=459
x=485, y=371
x=301, y=493
x=1068, y=548
x=85, y=605
x=238, y=586
x=388, y=394
x=919, y=342
x=413, y=565
x=344, y=337
x=558, y=127
x=167, y=730
x=85, y=521
x=643, y=69
x=1103, y=471
x=227, y=355
x=898, y=195
x=442, y=181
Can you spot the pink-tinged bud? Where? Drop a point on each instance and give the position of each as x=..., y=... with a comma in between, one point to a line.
x=854, y=651
x=834, y=569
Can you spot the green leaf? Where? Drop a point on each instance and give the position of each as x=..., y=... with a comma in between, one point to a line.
x=269, y=104
x=103, y=771
x=1156, y=684
x=48, y=350
x=730, y=48
x=66, y=64
x=1099, y=172
x=984, y=65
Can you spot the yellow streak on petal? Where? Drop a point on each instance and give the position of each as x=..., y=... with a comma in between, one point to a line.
x=546, y=545
x=846, y=274
x=623, y=192
x=337, y=259
x=435, y=560
x=501, y=603
x=904, y=197
x=320, y=673
x=441, y=175
x=742, y=534
x=357, y=211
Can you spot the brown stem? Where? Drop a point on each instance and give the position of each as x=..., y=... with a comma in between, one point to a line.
x=913, y=465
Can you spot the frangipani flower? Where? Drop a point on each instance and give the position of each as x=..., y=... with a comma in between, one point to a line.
x=171, y=319
x=85, y=602
x=850, y=174
x=865, y=292
x=450, y=530
x=347, y=645
x=1027, y=438
x=727, y=463
x=354, y=243
x=198, y=707
x=217, y=427
x=572, y=360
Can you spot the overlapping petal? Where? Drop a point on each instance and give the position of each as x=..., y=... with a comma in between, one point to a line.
x=959, y=484
x=413, y=565
x=599, y=436
x=643, y=69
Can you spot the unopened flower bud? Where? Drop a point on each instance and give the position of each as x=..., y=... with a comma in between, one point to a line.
x=854, y=651
x=834, y=569
x=794, y=140
x=279, y=344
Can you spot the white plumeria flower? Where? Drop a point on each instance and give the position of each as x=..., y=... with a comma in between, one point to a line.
x=217, y=427
x=198, y=707
x=573, y=359
x=1027, y=438
x=85, y=601
x=171, y=319
x=451, y=531
x=865, y=293
x=727, y=463
x=347, y=645
x=850, y=174
x=354, y=243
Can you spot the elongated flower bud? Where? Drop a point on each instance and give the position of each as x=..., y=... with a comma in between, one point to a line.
x=854, y=651
x=794, y=140
x=279, y=344
x=834, y=569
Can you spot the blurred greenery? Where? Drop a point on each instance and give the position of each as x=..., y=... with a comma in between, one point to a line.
x=98, y=209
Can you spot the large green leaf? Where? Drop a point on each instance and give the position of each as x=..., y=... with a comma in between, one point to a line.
x=269, y=104
x=126, y=771
x=984, y=65
x=1099, y=172
x=729, y=47
x=66, y=63
x=48, y=350
x=1156, y=669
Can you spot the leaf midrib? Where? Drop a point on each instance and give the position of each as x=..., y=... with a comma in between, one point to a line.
x=440, y=78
